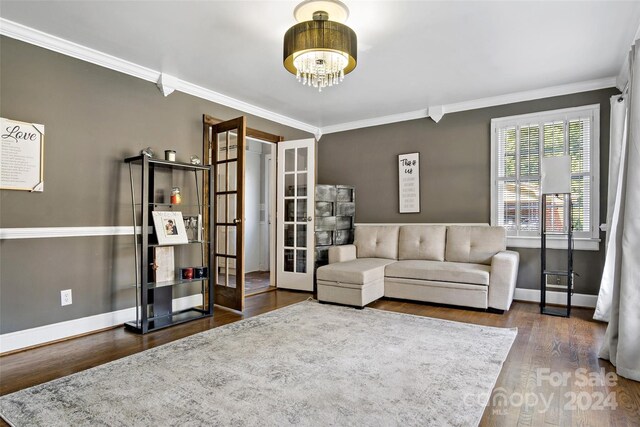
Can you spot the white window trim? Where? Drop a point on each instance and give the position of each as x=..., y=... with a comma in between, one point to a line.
x=591, y=243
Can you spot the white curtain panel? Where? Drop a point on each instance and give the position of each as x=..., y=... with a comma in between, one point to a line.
x=622, y=339
x=617, y=154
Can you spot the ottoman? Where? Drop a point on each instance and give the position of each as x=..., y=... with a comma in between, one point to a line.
x=356, y=283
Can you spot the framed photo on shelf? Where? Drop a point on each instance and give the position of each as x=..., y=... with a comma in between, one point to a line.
x=193, y=225
x=169, y=227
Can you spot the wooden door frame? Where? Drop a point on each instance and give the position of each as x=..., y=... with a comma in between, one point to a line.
x=207, y=147
x=208, y=120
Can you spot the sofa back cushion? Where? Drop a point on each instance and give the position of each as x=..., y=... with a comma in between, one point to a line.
x=422, y=242
x=373, y=241
x=476, y=244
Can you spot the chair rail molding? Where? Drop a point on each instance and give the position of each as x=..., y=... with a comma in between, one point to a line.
x=51, y=232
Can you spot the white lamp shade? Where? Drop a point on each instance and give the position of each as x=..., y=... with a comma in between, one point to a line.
x=556, y=175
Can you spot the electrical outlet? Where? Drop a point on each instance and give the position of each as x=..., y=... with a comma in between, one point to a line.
x=65, y=297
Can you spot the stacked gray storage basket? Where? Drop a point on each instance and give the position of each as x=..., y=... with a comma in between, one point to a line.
x=335, y=217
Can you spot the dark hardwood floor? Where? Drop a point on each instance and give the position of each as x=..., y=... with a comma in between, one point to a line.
x=257, y=281
x=529, y=391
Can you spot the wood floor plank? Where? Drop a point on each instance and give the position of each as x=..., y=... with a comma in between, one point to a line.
x=544, y=346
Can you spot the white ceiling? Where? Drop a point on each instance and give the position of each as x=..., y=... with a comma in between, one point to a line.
x=412, y=54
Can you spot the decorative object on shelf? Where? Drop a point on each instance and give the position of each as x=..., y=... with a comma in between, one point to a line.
x=186, y=273
x=320, y=50
x=169, y=227
x=176, y=198
x=147, y=152
x=200, y=272
x=193, y=225
x=163, y=267
x=195, y=160
x=335, y=217
x=22, y=155
x=409, y=182
x=170, y=155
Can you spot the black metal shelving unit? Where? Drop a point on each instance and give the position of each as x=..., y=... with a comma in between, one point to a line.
x=154, y=299
x=563, y=276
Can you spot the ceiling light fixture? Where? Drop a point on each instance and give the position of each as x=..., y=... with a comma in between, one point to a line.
x=320, y=50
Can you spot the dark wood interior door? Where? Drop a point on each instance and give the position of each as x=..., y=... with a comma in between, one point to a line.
x=226, y=155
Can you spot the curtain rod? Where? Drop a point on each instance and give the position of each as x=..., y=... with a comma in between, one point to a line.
x=624, y=91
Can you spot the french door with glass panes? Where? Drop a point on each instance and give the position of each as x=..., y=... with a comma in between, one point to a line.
x=227, y=156
x=296, y=207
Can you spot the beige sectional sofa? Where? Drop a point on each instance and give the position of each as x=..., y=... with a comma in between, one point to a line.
x=457, y=265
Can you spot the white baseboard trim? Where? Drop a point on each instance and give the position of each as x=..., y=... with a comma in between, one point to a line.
x=57, y=331
x=577, y=300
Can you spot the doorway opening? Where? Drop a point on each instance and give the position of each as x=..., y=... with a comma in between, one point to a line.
x=259, y=201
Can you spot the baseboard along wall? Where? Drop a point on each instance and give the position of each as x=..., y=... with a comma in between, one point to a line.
x=58, y=331
x=577, y=300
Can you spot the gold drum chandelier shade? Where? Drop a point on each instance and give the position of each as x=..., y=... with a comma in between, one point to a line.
x=320, y=52
x=322, y=36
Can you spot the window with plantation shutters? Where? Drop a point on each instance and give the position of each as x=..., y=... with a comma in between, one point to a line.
x=517, y=145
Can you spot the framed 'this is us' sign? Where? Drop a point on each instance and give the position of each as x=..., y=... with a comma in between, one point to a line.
x=409, y=182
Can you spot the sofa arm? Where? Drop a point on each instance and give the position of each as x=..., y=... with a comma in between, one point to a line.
x=342, y=253
x=502, y=282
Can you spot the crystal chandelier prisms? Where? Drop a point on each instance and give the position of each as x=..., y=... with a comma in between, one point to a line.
x=320, y=51
x=320, y=68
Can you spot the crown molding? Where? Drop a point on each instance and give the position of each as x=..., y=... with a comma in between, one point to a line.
x=475, y=104
x=375, y=121
x=29, y=35
x=35, y=37
x=531, y=95
x=38, y=38
x=218, y=98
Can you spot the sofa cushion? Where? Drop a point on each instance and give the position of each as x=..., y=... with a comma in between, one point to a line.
x=359, y=271
x=460, y=272
x=475, y=244
x=376, y=241
x=422, y=242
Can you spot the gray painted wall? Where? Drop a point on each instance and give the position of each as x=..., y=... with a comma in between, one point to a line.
x=454, y=173
x=94, y=118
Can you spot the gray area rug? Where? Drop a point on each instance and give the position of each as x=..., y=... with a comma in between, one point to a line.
x=305, y=364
